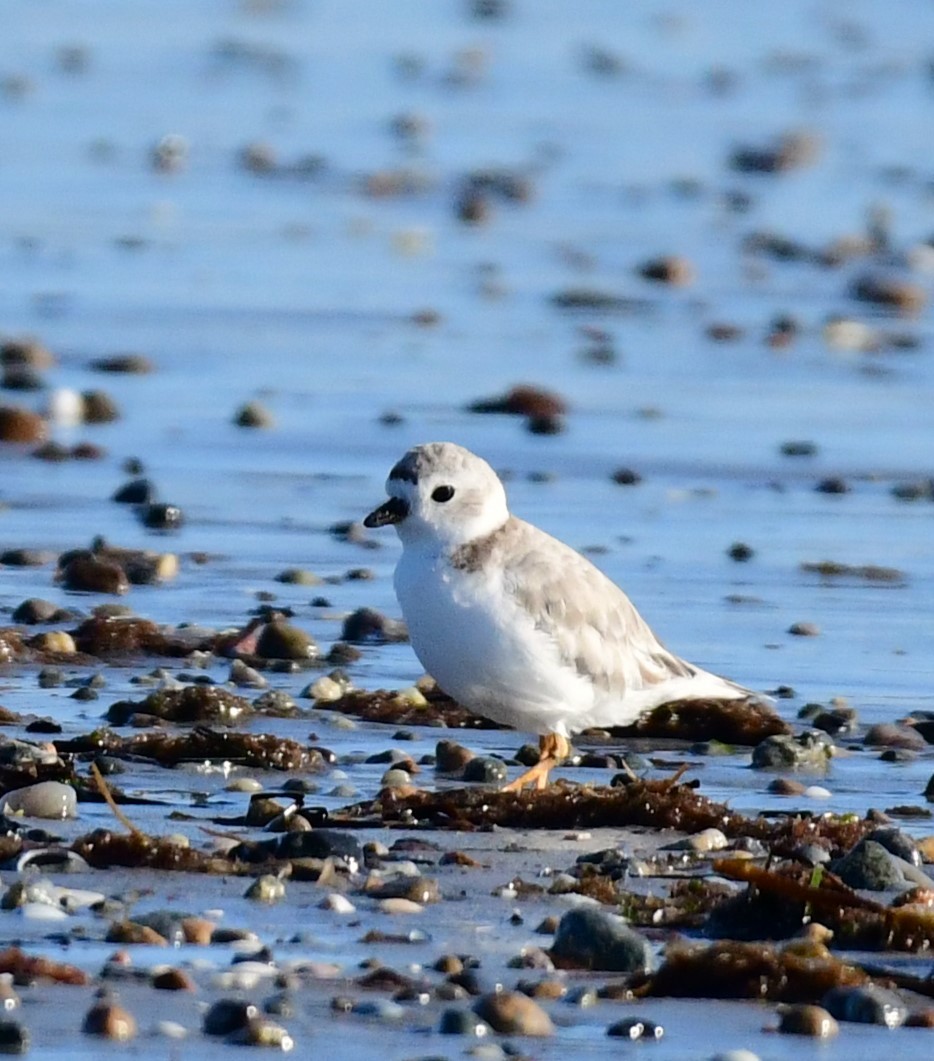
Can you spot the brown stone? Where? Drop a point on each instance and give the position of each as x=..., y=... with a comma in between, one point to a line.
x=512, y=1013
x=21, y=425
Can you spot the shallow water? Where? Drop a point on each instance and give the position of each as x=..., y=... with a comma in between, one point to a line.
x=300, y=291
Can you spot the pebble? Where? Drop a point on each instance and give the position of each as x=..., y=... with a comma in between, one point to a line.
x=254, y=414
x=804, y=629
x=735, y=1055
x=786, y=786
x=172, y=979
x=512, y=1013
x=869, y=865
x=451, y=757
x=161, y=516
x=47, y=799
x=282, y=640
x=337, y=904
x=396, y=778
x=701, y=843
x=14, y=1037
x=633, y=1028
x=99, y=408
x=59, y=642
x=867, y=1004
x=324, y=690
x=892, y=735
x=810, y=750
x=626, y=477
x=258, y=1031
x=486, y=770
x=462, y=1022
x=93, y=574
x=266, y=889
x=366, y=625
x=590, y=938
x=135, y=492
x=400, y=906
x=227, y=1015
x=668, y=270
x=34, y=611
x=805, y=1019
x=21, y=425
x=110, y=1021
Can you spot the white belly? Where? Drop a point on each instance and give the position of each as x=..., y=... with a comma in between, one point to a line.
x=483, y=650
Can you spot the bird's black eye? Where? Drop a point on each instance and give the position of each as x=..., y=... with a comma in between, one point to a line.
x=442, y=494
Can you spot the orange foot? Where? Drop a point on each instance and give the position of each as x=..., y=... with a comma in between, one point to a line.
x=554, y=749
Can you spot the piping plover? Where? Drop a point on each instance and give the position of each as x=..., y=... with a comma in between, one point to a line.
x=513, y=623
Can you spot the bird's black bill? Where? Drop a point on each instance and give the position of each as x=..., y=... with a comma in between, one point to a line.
x=392, y=511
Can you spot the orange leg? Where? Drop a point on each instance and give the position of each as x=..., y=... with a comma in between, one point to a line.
x=554, y=749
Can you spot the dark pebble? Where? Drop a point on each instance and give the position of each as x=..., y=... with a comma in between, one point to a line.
x=26, y=557
x=368, y=625
x=485, y=770
x=135, y=492
x=341, y=654
x=91, y=574
x=920, y=490
x=462, y=1022
x=592, y=939
x=832, y=485
x=99, y=408
x=545, y=425
x=320, y=843
x=14, y=1037
x=805, y=1019
x=451, y=757
x=811, y=750
x=626, y=477
x=228, y=1015
x=130, y=364
x=868, y=865
x=798, y=449
x=865, y=1005
x=667, y=270
x=253, y=414
x=162, y=516
x=523, y=401
x=740, y=552
x=34, y=610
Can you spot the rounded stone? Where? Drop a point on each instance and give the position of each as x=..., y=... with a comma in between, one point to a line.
x=99, y=408
x=462, y=1022
x=281, y=640
x=14, y=1037
x=804, y=1019
x=21, y=425
x=588, y=938
x=869, y=865
x=485, y=770
x=47, y=799
x=512, y=1013
x=109, y=1021
x=865, y=1005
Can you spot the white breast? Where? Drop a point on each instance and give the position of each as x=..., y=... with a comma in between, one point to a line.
x=484, y=650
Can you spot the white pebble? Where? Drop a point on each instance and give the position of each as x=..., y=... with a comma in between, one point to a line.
x=170, y=1029
x=735, y=1055
x=337, y=904
x=42, y=912
x=400, y=906
x=817, y=792
x=47, y=799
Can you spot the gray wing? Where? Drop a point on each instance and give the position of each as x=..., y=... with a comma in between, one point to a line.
x=593, y=624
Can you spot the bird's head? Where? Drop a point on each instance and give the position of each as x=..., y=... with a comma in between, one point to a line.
x=442, y=495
